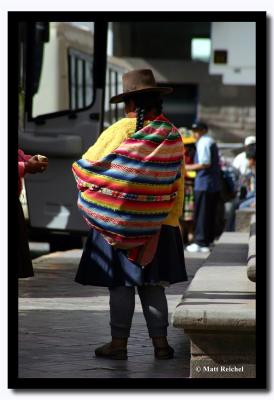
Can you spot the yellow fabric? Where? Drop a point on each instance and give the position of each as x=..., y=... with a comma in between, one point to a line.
x=191, y=174
x=111, y=138
x=189, y=140
x=187, y=136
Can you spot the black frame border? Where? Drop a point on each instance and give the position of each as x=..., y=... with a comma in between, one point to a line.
x=261, y=381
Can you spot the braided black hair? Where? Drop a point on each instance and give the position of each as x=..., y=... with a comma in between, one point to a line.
x=145, y=103
x=140, y=118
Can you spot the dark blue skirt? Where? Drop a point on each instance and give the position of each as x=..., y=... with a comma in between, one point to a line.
x=103, y=265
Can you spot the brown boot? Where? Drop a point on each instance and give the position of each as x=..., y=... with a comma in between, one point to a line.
x=115, y=350
x=162, y=350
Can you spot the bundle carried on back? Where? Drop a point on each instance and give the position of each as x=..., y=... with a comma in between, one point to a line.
x=128, y=194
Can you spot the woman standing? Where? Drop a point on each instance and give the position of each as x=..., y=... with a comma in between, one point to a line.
x=31, y=165
x=105, y=265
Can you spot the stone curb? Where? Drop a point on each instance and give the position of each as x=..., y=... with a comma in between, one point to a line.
x=251, y=259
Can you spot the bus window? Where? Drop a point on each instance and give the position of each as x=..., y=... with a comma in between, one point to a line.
x=66, y=75
x=80, y=79
x=114, y=86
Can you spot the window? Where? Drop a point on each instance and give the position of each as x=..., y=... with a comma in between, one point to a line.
x=200, y=49
x=80, y=79
x=114, y=86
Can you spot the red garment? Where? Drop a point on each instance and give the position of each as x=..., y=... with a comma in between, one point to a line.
x=22, y=158
x=188, y=158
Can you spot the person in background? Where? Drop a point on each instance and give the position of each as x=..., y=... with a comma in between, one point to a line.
x=249, y=180
x=187, y=218
x=241, y=162
x=229, y=184
x=206, y=188
x=31, y=165
x=246, y=197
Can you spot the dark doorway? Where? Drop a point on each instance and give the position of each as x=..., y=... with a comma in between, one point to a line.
x=181, y=107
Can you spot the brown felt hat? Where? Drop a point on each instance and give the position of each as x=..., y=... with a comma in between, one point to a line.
x=139, y=81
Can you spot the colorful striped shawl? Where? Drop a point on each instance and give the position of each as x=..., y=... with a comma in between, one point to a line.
x=128, y=194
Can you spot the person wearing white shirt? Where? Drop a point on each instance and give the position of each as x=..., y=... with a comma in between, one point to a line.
x=240, y=162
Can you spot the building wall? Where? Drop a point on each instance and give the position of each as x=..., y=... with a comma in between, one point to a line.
x=165, y=47
x=230, y=124
x=229, y=110
x=238, y=40
x=165, y=40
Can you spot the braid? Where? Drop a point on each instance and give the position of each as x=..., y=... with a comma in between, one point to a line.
x=140, y=111
x=145, y=103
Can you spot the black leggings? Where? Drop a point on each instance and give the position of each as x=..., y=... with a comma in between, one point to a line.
x=154, y=304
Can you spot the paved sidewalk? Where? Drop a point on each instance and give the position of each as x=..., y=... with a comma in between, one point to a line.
x=62, y=322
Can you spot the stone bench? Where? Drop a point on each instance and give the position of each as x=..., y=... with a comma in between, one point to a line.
x=243, y=219
x=251, y=259
x=217, y=312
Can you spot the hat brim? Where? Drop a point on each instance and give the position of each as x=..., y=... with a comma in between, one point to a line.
x=119, y=98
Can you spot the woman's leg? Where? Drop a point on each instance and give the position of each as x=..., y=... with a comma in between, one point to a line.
x=155, y=308
x=122, y=304
x=154, y=304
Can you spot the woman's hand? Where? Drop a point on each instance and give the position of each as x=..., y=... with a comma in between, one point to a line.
x=41, y=158
x=36, y=164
